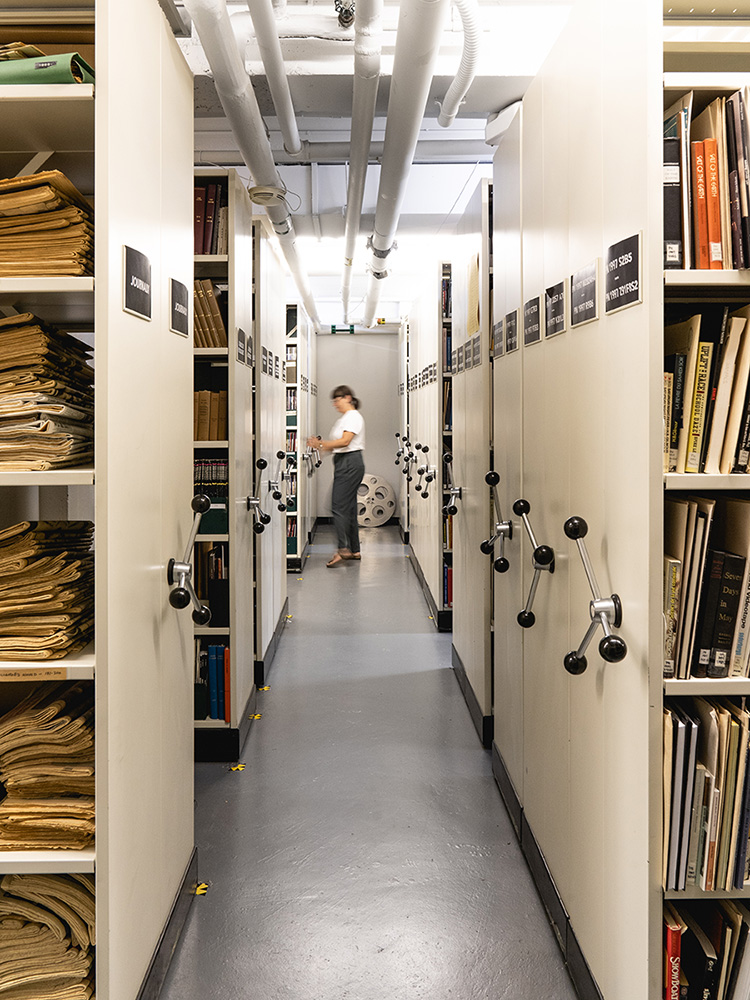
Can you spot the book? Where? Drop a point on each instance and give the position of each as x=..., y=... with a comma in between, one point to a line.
x=218, y=329
x=738, y=396
x=704, y=513
x=213, y=682
x=706, y=615
x=734, y=166
x=208, y=227
x=677, y=788
x=666, y=418
x=667, y=766
x=726, y=615
x=672, y=585
x=199, y=217
x=723, y=384
x=711, y=124
x=674, y=927
x=227, y=687
x=700, y=206
x=732, y=529
x=682, y=338
x=698, y=958
x=672, y=177
x=692, y=724
x=713, y=204
x=675, y=364
x=682, y=110
x=697, y=422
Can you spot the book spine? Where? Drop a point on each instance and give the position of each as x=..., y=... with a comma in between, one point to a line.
x=199, y=217
x=700, y=210
x=726, y=615
x=227, y=687
x=667, y=418
x=713, y=204
x=672, y=205
x=208, y=229
x=672, y=945
x=709, y=601
x=671, y=611
x=213, y=683
x=220, y=681
x=678, y=399
x=698, y=412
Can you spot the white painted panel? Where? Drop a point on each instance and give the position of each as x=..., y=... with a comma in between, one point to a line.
x=144, y=485
x=509, y=595
x=471, y=431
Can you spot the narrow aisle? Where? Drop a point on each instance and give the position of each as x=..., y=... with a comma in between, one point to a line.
x=364, y=853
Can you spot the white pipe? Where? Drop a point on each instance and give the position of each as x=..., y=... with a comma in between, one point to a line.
x=420, y=25
x=241, y=109
x=267, y=36
x=367, y=31
x=427, y=151
x=469, y=11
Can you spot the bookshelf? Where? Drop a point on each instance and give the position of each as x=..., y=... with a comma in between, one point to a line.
x=300, y=471
x=446, y=437
x=143, y=792
x=270, y=443
x=223, y=470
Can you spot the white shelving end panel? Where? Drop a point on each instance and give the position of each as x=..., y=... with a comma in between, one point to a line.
x=53, y=477
x=47, y=862
x=696, y=482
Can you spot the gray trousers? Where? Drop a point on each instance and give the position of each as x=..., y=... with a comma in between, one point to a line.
x=348, y=470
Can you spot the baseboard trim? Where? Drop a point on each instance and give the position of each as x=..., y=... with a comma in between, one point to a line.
x=170, y=936
x=578, y=969
x=482, y=723
x=404, y=534
x=263, y=667
x=215, y=745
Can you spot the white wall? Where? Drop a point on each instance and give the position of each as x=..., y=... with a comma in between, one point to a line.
x=368, y=363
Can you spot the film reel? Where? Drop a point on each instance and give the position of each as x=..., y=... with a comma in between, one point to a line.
x=376, y=502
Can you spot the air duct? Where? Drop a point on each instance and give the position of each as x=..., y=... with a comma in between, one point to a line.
x=469, y=11
x=420, y=25
x=367, y=29
x=240, y=106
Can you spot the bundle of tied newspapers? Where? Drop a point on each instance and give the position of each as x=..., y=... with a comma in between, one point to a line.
x=46, y=397
x=46, y=227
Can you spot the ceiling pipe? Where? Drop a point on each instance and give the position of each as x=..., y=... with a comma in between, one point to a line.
x=469, y=11
x=269, y=46
x=240, y=106
x=420, y=25
x=367, y=34
x=427, y=151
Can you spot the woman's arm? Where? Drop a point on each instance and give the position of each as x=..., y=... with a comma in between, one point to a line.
x=342, y=442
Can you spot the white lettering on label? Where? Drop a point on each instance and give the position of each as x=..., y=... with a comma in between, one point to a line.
x=140, y=284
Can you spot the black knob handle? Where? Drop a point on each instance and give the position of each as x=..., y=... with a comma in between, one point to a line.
x=418, y=446
x=179, y=597
x=450, y=509
x=521, y=507
x=259, y=528
x=544, y=555
x=526, y=619
x=492, y=478
x=425, y=449
x=261, y=463
x=318, y=464
x=280, y=454
x=418, y=488
x=575, y=527
x=264, y=518
x=200, y=503
x=501, y=565
x=282, y=507
x=575, y=664
x=448, y=458
x=612, y=649
x=202, y=616
x=486, y=547
x=396, y=462
x=276, y=494
x=398, y=435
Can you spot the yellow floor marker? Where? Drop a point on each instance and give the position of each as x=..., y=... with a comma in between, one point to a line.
x=258, y=716
x=237, y=767
x=201, y=889
x=266, y=688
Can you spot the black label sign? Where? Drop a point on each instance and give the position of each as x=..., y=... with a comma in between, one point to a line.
x=249, y=350
x=178, y=313
x=241, y=346
x=498, y=343
x=584, y=295
x=477, y=350
x=460, y=360
x=276, y=366
x=454, y=360
x=468, y=355
x=622, y=276
x=511, y=331
x=532, y=333
x=137, y=283
x=264, y=360
x=554, y=310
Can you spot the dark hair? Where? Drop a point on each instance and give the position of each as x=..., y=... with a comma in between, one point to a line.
x=344, y=390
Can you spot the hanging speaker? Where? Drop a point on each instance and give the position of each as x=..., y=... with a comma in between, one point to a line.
x=376, y=502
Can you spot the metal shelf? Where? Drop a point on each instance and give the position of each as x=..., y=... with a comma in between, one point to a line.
x=47, y=862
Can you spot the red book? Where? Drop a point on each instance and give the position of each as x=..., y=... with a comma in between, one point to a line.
x=673, y=928
x=199, y=218
x=713, y=205
x=700, y=208
x=227, y=688
x=208, y=229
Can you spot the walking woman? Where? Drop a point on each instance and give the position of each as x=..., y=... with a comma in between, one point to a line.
x=347, y=442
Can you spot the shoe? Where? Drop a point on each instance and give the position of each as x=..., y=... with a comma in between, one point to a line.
x=355, y=555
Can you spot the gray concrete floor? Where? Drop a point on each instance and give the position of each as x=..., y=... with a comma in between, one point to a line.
x=364, y=853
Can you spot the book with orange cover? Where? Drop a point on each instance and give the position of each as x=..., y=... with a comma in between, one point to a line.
x=700, y=208
x=713, y=205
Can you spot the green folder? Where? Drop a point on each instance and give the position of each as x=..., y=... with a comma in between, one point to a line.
x=66, y=68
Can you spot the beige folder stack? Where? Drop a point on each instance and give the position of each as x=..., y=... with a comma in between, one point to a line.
x=47, y=937
x=46, y=589
x=46, y=397
x=46, y=227
x=47, y=770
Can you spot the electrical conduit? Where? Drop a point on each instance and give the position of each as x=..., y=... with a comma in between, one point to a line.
x=469, y=11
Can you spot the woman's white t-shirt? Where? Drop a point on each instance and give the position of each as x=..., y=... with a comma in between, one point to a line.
x=352, y=421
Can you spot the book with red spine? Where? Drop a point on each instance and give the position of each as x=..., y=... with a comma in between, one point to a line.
x=713, y=205
x=700, y=208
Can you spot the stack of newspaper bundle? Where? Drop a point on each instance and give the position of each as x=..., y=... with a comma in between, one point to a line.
x=47, y=770
x=46, y=227
x=46, y=589
x=47, y=937
x=46, y=397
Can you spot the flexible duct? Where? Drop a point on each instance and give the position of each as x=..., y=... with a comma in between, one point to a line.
x=267, y=36
x=241, y=109
x=469, y=11
x=367, y=30
x=417, y=43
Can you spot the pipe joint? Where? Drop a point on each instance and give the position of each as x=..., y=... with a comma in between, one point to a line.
x=380, y=254
x=282, y=228
x=379, y=275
